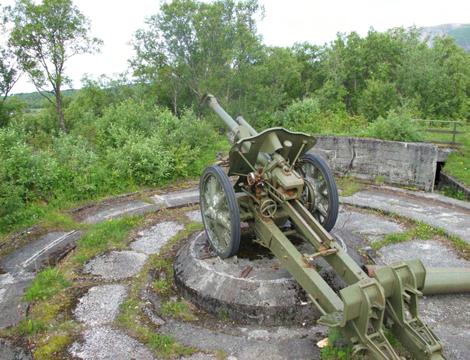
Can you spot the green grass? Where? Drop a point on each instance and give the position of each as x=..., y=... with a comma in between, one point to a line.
x=131, y=317
x=334, y=352
x=52, y=347
x=379, y=179
x=105, y=236
x=458, y=163
x=453, y=193
x=349, y=185
x=179, y=310
x=29, y=327
x=42, y=214
x=162, y=286
x=420, y=231
x=47, y=283
x=166, y=346
x=424, y=231
x=56, y=220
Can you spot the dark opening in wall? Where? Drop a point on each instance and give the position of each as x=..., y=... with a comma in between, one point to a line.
x=439, y=166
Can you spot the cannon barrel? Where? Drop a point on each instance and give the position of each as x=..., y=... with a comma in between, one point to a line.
x=234, y=126
x=214, y=105
x=242, y=122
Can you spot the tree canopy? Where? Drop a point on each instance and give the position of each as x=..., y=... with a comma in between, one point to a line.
x=43, y=38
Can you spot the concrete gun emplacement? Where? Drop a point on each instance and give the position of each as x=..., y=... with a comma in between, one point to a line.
x=280, y=183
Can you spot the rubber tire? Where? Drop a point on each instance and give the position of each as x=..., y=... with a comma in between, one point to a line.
x=333, y=201
x=234, y=210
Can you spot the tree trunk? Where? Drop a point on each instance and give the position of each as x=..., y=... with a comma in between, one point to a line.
x=59, y=109
x=175, y=102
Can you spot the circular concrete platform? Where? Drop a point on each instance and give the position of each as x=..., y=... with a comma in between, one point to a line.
x=248, y=288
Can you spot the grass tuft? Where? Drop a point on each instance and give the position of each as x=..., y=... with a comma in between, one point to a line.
x=423, y=231
x=166, y=346
x=452, y=193
x=105, y=236
x=47, y=283
x=52, y=347
x=29, y=327
x=349, y=185
x=58, y=220
x=179, y=310
x=162, y=286
x=335, y=351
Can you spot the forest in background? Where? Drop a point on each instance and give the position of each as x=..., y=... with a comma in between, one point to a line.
x=148, y=127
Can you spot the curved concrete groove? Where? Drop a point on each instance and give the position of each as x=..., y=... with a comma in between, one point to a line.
x=454, y=219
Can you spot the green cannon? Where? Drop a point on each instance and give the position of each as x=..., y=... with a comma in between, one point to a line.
x=278, y=183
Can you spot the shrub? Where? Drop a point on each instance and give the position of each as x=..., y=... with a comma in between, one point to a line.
x=81, y=173
x=126, y=118
x=377, y=99
x=306, y=115
x=143, y=161
x=33, y=173
x=397, y=126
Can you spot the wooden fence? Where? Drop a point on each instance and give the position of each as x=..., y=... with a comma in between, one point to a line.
x=443, y=127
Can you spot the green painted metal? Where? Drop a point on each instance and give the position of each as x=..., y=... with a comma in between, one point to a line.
x=272, y=188
x=446, y=281
x=440, y=280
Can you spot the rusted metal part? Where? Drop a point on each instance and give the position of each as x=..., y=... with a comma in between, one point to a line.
x=246, y=271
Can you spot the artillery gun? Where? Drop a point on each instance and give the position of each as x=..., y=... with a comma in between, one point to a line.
x=280, y=183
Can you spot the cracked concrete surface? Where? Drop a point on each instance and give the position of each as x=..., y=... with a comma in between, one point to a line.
x=100, y=305
x=448, y=314
x=106, y=343
x=152, y=239
x=116, y=265
x=194, y=215
x=452, y=218
x=432, y=253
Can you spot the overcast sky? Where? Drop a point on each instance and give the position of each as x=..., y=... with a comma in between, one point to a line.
x=285, y=22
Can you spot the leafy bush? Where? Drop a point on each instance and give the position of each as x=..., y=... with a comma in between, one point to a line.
x=148, y=145
x=306, y=115
x=129, y=117
x=397, y=126
x=134, y=143
x=141, y=160
x=32, y=171
x=81, y=173
x=377, y=99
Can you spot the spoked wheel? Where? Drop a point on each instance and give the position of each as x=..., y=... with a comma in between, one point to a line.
x=220, y=212
x=320, y=194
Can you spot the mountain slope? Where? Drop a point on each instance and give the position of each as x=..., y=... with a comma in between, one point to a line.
x=460, y=32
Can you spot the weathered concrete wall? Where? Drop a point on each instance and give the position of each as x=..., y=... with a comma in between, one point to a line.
x=447, y=180
x=401, y=163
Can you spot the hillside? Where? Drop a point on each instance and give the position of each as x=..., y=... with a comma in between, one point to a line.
x=460, y=32
x=35, y=100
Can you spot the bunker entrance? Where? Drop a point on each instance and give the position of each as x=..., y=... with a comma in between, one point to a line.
x=439, y=167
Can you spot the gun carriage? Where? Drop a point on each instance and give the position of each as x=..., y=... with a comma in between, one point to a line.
x=280, y=182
